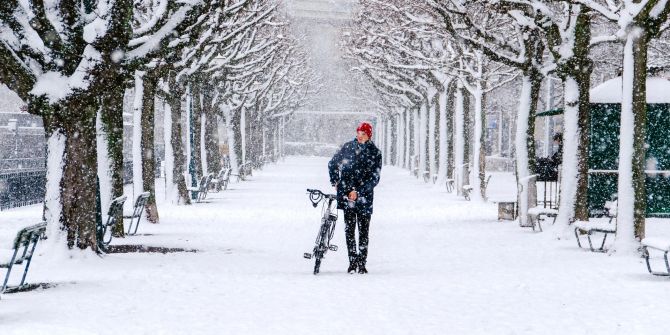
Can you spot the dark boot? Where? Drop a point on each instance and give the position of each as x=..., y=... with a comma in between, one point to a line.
x=362, y=269
x=353, y=265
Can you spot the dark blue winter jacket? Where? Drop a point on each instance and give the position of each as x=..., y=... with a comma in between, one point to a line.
x=356, y=167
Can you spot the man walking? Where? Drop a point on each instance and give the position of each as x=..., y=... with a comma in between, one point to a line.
x=354, y=171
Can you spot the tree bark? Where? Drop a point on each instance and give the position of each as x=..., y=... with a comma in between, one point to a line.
x=196, y=117
x=147, y=144
x=211, y=133
x=179, y=168
x=78, y=190
x=631, y=185
x=111, y=115
x=525, y=143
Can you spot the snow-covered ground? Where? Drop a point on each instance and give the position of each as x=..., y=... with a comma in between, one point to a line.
x=438, y=265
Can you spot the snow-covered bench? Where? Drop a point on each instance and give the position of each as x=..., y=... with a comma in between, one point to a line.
x=114, y=211
x=244, y=171
x=450, y=185
x=594, y=226
x=468, y=188
x=24, y=239
x=138, y=209
x=466, y=192
x=221, y=181
x=539, y=214
x=200, y=192
x=659, y=244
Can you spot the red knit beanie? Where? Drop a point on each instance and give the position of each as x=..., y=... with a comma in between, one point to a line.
x=366, y=128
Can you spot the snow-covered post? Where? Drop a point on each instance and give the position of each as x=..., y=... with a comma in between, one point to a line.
x=243, y=134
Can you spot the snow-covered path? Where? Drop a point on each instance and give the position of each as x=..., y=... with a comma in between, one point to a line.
x=438, y=265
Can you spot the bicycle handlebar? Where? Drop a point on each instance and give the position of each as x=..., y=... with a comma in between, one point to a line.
x=315, y=196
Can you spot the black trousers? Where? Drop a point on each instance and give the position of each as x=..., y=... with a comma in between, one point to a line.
x=353, y=218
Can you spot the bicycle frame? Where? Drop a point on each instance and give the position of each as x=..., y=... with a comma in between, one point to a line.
x=327, y=228
x=328, y=222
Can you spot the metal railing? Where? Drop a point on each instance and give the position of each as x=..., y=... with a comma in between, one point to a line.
x=21, y=188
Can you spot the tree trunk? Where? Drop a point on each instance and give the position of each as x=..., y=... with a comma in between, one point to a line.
x=111, y=117
x=78, y=190
x=243, y=134
x=179, y=167
x=196, y=120
x=432, y=148
x=576, y=74
x=479, y=142
x=443, y=156
x=423, y=137
x=459, y=140
x=631, y=188
x=525, y=144
x=211, y=134
x=408, y=139
x=388, y=132
x=416, y=145
x=138, y=186
x=147, y=144
x=229, y=119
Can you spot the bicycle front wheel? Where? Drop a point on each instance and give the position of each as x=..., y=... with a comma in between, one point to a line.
x=320, y=248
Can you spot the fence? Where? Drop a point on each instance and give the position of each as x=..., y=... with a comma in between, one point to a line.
x=21, y=188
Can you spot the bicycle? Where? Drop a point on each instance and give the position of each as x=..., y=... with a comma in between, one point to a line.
x=327, y=229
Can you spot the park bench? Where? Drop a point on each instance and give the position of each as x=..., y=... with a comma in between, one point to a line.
x=605, y=228
x=200, y=192
x=115, y=210
x=221, y=181
x=660, y=244
x=468, y=188
x=27, y=239
x=244, y=171
x=259, y=163
x=138, y=209
x=539, y=214
x=466, y=192
x=450, y=185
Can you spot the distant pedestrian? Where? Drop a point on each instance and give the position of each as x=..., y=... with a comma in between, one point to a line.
x=354, y=171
